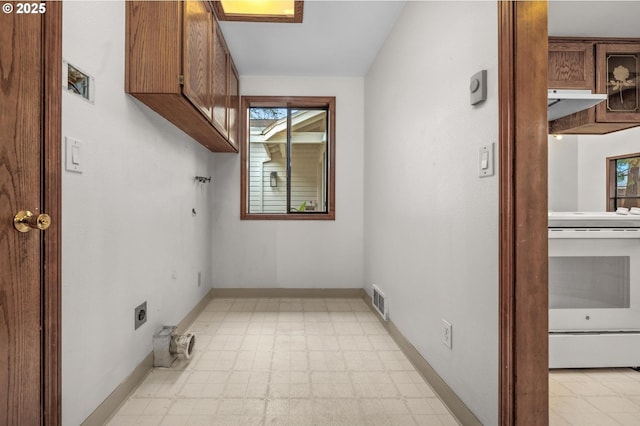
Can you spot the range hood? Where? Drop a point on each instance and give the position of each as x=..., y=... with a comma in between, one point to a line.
x=564, y=102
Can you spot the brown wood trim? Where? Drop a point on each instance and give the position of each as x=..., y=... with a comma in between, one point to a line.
x=506, y=403
x=52, y=275
x=288, y=101
x=244, y=156
x=289, y=216
x=618, y=157
x=332, y=160
x=611, y=187
x=531, y=291
x=298, y=11
x=523, y=293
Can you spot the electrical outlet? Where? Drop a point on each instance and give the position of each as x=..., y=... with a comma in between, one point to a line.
x=446, y=334
x=140, y=315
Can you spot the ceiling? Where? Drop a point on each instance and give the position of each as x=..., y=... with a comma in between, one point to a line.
x=594, y=18
x=336, y=38
x=342, y=38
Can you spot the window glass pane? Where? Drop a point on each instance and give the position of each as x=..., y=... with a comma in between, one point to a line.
x=308, y=160
x=628, y=182
x=267, y=160
x=286, y=155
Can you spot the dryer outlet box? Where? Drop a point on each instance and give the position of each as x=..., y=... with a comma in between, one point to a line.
x=140, y=315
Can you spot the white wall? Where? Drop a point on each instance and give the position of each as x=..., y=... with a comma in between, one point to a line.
x=577, y=168
x=128, y=231
x=592, y=153
x=563, y=173
x=295, y=254
x=431, y=224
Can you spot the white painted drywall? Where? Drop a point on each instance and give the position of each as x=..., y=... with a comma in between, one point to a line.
x=295, y=254
x=431, y=224
x=563, y=173
x=128, y=231
x=589, y=18
x=593, y=151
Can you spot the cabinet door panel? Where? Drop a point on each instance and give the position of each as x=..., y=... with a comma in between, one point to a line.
x=234, y=105
x=220, y=83
x=618, y=69
x=571, y=66
x=198, y=24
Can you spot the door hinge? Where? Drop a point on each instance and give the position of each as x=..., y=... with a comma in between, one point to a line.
x=181, y=80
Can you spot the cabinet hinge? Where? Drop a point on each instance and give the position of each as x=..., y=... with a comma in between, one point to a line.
x=181, y=80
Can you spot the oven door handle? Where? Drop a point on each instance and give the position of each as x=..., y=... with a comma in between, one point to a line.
x=563, y=233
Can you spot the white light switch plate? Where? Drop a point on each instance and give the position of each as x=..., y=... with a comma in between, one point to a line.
x=486, y=160
x=73, y=155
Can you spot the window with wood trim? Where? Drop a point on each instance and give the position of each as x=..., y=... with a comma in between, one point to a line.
x=288, y=158
x=623, y=181
x=279, y=11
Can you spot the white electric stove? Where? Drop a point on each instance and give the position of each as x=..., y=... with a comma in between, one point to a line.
x=594, y=290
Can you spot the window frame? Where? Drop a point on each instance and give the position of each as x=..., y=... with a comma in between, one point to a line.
x=612, y=181
x=296, y=18
x=300, y=102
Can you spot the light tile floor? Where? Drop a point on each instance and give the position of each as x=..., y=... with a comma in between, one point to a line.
x=599, y=397
x=287, y=362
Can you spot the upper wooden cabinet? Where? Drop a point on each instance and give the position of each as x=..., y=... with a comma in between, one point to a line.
x=234, y=106
x=571, y=66
x=178, y=64
x=221, y=84
x=610, y=67
x=196, y=56
x=618, y=70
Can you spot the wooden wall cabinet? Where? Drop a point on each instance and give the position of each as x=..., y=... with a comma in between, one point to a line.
x=178, y=64
x=618, y=70
x=602, y=66
x=571, y=65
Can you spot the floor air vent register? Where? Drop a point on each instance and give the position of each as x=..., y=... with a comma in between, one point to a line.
x=380, y=302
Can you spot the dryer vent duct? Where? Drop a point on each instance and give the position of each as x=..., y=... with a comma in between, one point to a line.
x=168, y=346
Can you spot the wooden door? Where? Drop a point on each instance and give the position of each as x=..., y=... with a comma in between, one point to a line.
x=234, y=105
x=571, y=65
x=617, y=72
x=30, y=70
x=196, y=62
x=220, y=83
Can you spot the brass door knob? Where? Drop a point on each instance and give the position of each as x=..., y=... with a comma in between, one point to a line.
x=25, y=221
